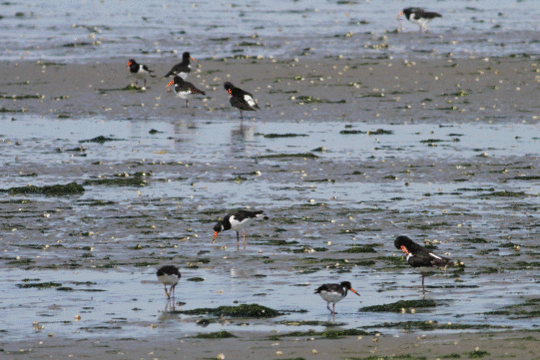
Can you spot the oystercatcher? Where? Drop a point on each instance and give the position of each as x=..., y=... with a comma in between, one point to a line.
x=237, y=221
x=420, y=257
x=332, y=293
x=182, y=69
x=184, y=89
x=169, y=275
x=140, y=71
x=419, y=16
x=241, y=99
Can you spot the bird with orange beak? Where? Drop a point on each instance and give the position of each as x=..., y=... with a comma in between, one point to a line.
x=237, y=221
x=332, y=293
x=419, y=16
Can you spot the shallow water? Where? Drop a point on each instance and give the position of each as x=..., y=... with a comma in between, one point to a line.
x=79, y=31
x=443, y=182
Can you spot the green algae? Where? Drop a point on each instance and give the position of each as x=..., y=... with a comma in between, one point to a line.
x=99, y=139
x=137, y=179
x=43, y=285
x=215, y=335
x=287, y=135
x=49, y=190
x=476, y=240
x=311, y=323
x=328, y=334
x=241, y=311
x=196, y=279
x=506, y=193
x=433, y=325
x=281, y=156
x=527, y=310
x=402, y=304
x=360, y=249
x=393, y=357
x=478, y=354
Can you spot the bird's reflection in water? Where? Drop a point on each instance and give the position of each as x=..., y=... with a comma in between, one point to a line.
x=170, y=312
x=243, y=133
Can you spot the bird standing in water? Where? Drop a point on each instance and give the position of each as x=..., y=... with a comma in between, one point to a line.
x=241, y=99
x=419, y=16
x=332, y=293
x=169, y=275
x=237, y=221
x=419, y=257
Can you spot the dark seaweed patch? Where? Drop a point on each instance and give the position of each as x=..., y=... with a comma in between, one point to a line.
x=135, y=179
x=99, y=139
x=49, y=190
x=273, y=136
x=44, y=285
x=215, y=335
x=281, y=156
x=360, y=249
x=329, y=334
x=432, y=325
x=242, y=311
x=402, y=304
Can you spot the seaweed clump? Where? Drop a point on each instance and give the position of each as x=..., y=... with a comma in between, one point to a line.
x=241, y=311
x=215, y=335
x=328, y=334
x=402, y=304
x=50, y=190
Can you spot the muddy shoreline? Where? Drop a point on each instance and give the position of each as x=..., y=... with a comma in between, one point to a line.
x=492, y=90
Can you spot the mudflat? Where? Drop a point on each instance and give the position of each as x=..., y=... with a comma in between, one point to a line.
x=344, y=155
x=352, y=89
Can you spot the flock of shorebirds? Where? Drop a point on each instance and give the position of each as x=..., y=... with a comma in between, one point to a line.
x=241, y=99
x=416, y=255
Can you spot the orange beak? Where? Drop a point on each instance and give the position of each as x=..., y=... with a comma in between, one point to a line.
x=129, y=63
x=404, y=249
x=401, y=13
x=215, y=235
x=169, y=84
x=354, y=291
x=229, y=91
x=192, y=59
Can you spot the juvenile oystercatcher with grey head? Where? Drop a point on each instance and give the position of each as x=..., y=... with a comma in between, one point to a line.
x=241, y=99
x=184, y=89
x=236, y=221
x=169, y=275
x=139, y=71
x=332, y=293
x=182, y=69
x=419, y=16
x=419, y=257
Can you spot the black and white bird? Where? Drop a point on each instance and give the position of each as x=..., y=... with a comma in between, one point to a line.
x=139, y=71
x=419, y=16
x=419, y=257
x=241, y=99
x=184, y=89
x=169, y=275
x=182, y=69
x=332, y=293
x=237, y=221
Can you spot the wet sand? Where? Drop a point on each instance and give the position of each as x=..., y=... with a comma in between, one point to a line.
x=501, y=345
x=170, y=226
x=494, y=90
